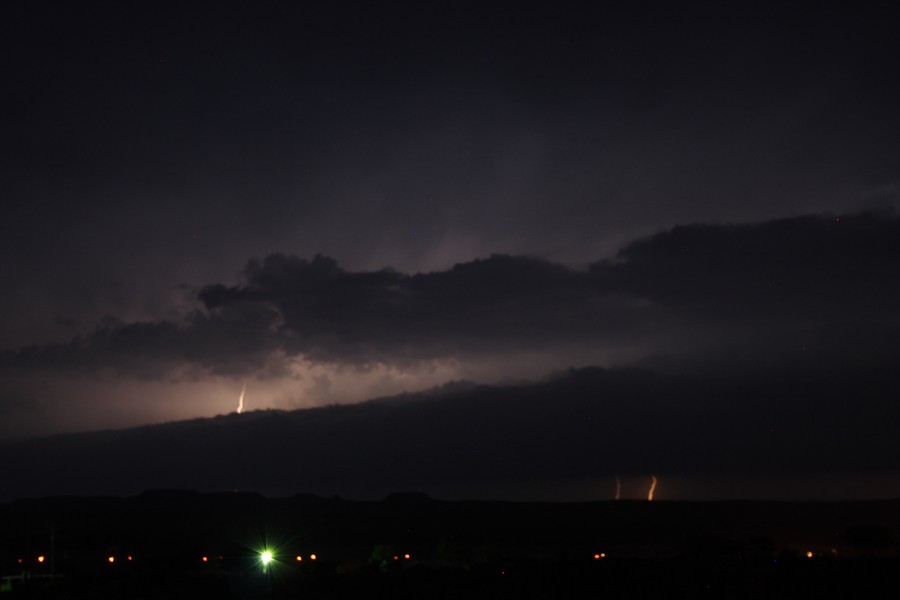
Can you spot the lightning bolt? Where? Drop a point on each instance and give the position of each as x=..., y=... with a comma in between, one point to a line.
x=652, y=488
x=618, y=488
x=240, y=407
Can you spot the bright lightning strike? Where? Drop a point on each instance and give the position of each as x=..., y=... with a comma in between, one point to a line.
x=653, y=483
x=240, y=407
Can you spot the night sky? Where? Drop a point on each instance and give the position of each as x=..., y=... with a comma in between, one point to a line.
x=326, y=203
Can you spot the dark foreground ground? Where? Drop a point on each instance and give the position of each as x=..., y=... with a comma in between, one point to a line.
x=189, y=545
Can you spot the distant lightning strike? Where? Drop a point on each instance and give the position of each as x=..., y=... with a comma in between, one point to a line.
x=652, y=488
x=240, y=407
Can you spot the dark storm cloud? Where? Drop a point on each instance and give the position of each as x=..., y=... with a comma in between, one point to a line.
x=17, y=401
x=814, y=267
x=154, y=145
x=783, y=293
x=481, y=307
x=808, y=290
x=803, y=289
x=230, y=341
x=586, y=426
x=318, y=311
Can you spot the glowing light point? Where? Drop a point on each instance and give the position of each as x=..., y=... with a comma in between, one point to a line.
x=406, y=556
x=299, y=558
x=809, y=554
x=204, y=559
x=40, y=559
x=265, y=557
x=312, y=557
x=110, y=559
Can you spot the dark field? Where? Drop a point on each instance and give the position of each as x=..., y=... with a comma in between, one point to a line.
x=190, y=545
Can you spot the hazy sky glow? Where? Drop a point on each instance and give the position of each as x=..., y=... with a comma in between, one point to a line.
x=339, y=202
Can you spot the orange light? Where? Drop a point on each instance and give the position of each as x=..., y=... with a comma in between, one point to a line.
x=396, y=557
x=406, y=556
x=809, y=554
x=312, y=557
x=596, y=557
x=40, y=559
x=129, y=557
x=299, y=558
x=204, y=559
x=603, y=555
x=111, y=559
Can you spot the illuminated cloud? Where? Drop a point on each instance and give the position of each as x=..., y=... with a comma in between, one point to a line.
x=795, y=292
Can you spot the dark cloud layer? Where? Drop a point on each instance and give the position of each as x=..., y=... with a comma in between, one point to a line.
x=585, y=426
x=783, y=293
x=496, y=160
x=482, y=307
x=148, y=146
x=815, y=290
x=815, y=267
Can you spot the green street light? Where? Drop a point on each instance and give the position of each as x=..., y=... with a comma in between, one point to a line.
x=265, y=557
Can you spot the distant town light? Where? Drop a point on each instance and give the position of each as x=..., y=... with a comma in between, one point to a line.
x=40, y=559
x=406, y=556
x=312, y=557
x=299, y=558
x=265, y=557
x=110, y=559
x=129, y=557
x=204, y=559
x=809, y=554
